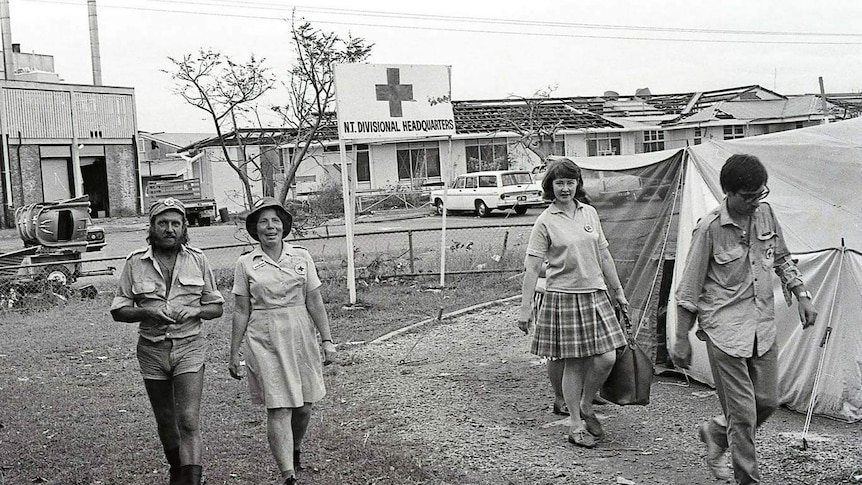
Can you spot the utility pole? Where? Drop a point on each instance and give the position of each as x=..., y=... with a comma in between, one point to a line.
x=823, y=99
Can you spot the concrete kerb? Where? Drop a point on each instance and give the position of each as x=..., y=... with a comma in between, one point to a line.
x=447, y=316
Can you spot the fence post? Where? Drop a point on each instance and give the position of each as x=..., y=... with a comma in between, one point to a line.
x=505, y=245
x=410, y=246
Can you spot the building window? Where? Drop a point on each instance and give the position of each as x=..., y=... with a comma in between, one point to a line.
x=487, y=154
x=418, y=161
x=363, y=165
x=800, y=124
x=559, y=147
x=653, y=141
x=733, y=132
x=334, y=148
x=306, y=179
x=285, y=156
x=603, y=144
x=698, y=136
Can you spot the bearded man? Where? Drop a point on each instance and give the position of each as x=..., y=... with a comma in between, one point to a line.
x=169, y=288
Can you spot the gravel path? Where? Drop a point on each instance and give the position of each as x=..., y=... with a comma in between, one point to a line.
x=468, y=394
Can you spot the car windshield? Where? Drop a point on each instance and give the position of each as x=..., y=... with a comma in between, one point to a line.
x=517, y=178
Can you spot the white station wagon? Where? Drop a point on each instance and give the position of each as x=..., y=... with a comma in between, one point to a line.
x=482, y=192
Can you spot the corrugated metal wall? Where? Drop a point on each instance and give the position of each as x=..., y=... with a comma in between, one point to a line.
x=104, y=115
x=48, y=114
x=38, y=114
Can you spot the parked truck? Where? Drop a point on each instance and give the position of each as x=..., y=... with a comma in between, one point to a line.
x=199, y=211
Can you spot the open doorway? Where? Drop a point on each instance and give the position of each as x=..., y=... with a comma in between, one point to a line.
x=95, y=178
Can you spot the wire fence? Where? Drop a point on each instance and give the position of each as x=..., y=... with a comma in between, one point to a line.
x=486, y=249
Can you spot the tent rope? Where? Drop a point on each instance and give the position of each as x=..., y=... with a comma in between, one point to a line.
x=676, y=196
x=823, y=344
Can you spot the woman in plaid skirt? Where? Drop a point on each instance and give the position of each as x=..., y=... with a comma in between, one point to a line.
x=576, y=320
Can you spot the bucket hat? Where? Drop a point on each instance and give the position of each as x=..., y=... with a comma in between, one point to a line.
x=258, y=207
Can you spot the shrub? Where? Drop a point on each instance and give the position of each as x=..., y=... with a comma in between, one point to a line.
x=327, y=200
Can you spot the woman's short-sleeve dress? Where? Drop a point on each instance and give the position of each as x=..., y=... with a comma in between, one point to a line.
x=281, y=350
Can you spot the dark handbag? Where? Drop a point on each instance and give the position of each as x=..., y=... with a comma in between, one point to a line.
x=630, y=379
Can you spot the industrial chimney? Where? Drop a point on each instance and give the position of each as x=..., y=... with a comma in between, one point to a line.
x=6, y=31
x=94, y=42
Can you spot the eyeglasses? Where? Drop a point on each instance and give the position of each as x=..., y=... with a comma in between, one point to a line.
x=751, y=197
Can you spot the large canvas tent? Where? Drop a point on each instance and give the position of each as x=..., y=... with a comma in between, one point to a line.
x=815, y=178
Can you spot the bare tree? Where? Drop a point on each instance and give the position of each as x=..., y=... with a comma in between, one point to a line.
x=530, y=121
x=311, y=91
x=227, y=91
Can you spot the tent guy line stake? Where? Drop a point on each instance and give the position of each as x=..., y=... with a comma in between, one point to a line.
x=823, y=343
x=810, y=411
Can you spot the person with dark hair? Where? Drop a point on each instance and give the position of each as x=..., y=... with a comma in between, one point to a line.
x=575, y=321
x=727, y=286
x=279, y=312
x=169, y=288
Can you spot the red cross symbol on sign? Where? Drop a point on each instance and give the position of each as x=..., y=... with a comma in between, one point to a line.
x=394, y=92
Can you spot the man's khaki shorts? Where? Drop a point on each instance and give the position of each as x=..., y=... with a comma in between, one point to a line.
x=163, y=360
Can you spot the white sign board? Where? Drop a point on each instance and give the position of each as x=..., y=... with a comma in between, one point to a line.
x=386, y=101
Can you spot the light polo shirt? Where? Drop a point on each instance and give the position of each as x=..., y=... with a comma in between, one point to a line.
x=728, y=279
x=142, y=284
x=572, y=247
x=275, y=284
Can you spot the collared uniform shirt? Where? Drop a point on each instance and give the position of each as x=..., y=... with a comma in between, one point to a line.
x=142, y=284
x=275, y=284
x=728, y=279
x=572, y=247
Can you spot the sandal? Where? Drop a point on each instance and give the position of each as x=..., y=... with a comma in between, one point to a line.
x=592, y=423
x=561, y=410
x=583, y=438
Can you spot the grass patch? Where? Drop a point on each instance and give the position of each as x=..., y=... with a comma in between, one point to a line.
x=396, y=303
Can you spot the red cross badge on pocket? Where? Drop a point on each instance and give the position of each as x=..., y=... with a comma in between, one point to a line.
x=588, y=228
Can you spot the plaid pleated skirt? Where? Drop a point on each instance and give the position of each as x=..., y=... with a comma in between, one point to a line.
x=576, y=325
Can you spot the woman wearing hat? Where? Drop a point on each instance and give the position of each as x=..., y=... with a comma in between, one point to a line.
x=280, y=312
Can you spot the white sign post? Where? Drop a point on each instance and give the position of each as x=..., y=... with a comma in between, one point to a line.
x=381, y=102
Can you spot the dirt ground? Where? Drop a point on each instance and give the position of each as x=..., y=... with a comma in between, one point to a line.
x=468, y=393
x=454, y=402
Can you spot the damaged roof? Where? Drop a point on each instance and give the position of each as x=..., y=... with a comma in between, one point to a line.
x=521, y=116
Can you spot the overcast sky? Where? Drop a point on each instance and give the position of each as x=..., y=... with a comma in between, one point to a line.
x=496, y=48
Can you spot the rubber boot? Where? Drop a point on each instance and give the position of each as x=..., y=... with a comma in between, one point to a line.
x=192, y=474
x=173, y=456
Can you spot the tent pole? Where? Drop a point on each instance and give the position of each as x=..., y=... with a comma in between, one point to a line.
x=823, y=343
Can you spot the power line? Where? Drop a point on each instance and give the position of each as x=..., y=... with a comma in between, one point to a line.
x=471, y=31
x=162, y=10
x=490, y=20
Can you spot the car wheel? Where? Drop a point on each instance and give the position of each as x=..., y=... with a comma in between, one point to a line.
x=438, y=207
x=520, y=210
x=482, y=210
x=58, y=276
